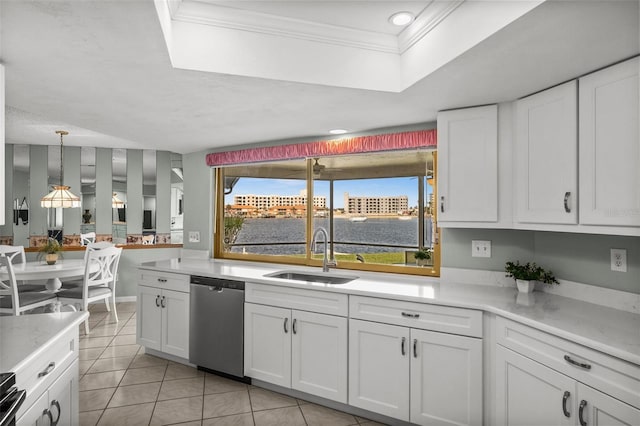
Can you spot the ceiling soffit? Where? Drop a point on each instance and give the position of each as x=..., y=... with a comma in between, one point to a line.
x=208, y=37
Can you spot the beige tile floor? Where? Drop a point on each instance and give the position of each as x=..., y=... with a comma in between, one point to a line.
x=121, y=385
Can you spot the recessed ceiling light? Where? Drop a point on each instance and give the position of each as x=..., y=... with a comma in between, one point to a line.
x=401, y=18
x=338, y=131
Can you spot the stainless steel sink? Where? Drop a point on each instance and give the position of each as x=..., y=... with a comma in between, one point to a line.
x=311, y=277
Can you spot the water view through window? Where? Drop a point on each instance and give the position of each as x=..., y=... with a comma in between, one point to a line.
x=377, y=209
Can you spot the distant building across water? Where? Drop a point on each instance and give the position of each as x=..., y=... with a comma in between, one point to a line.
x=266, y=202
x=375, y=205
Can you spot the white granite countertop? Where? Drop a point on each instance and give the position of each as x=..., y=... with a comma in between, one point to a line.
x=23, y=337
x=614, y=332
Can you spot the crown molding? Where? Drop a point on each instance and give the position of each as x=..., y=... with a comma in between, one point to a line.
x=242, y=20
x=428, y=19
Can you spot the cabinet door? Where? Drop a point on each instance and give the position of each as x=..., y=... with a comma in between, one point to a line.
x=175, y=323
x=267, y=340
x=468, y=165
x=610, y=146
x=63, y=397
x=149, y=317
x=319, y=355
x=379, y=368
x=446, y=379
x=599, y=409
x=37, y=414
x=528, y=393
x=546, y=156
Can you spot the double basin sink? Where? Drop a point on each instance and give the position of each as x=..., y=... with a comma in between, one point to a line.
x=303, y=276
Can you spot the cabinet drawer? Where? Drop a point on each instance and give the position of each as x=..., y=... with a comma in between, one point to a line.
x=323, y=302
x=165, y=280
x=465, y=322
x=613, y=376
x=39, y=374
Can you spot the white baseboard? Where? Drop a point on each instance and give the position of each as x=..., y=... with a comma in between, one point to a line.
x=622, y=300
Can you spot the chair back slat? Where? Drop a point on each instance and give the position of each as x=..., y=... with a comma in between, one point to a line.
x=14, y=253
x=88, y=238
x=105, y=261
x=10, y=286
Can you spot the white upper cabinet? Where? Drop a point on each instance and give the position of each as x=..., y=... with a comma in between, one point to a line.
x=545, y=153
x=468, y=165
x=610, y=146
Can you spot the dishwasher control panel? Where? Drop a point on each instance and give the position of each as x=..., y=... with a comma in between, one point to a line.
x=217, y=282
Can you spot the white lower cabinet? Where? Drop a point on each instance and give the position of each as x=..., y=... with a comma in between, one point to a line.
x=296, y=349
x=58, y=405
x=529, y=393
x=420, y=376
x=542, y=379
x=163, y=320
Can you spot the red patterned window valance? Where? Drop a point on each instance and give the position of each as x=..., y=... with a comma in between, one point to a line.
x=360, y=144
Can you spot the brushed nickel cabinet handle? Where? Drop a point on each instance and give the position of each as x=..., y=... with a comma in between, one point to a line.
x=583, y=404
x=408, y=315
x=286, y=322
x=402, y=350
x=565, y=397
x=56, y=404
x=576, y=363
x=566, y=202
x=47, y=370
x=162, y=302
x=442, y=204
x=293, y=326
x=415, y=348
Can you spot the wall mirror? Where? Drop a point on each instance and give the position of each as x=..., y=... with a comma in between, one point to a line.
x=88, y=185
x=177, y=192
x=148, y=194
x=80, y=164
x=20, y=195
x=119, y=198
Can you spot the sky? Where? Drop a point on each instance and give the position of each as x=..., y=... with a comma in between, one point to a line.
x=355, y=188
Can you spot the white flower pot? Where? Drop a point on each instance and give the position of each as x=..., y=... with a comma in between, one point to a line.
x=525, y=286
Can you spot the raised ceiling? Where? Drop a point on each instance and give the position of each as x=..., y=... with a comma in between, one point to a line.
x=102, y=69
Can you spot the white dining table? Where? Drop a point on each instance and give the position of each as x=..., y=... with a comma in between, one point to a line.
x=39, y=270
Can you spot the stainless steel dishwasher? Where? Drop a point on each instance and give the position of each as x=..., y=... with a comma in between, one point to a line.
x=216, y=326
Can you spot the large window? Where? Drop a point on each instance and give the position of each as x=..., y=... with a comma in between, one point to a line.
x=376, y=208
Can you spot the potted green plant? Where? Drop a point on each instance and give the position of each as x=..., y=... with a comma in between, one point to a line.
x=51, y=250
x=422, y=256
x=527, y=274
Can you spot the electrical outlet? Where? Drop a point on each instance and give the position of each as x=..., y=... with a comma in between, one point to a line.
x=480, y=248
x=619, y=260
x=194, y=236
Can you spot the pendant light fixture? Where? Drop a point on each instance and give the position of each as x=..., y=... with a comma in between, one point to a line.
x=60, y=196
x=116, y=202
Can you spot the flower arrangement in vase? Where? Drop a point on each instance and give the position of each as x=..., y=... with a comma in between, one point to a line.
x=51, y=250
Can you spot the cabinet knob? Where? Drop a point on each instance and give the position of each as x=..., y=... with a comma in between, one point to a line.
x=583, y=404
x=565, y=397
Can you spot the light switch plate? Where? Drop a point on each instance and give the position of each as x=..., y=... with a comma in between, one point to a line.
x=480, y=248
x=619, y=260
x=194, y=236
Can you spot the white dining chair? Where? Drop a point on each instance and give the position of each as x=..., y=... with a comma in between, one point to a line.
x=77, y=282
x=16, y=302
x=98, y=285
x=148, y=239
x=16, y=255
x=88, y=238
